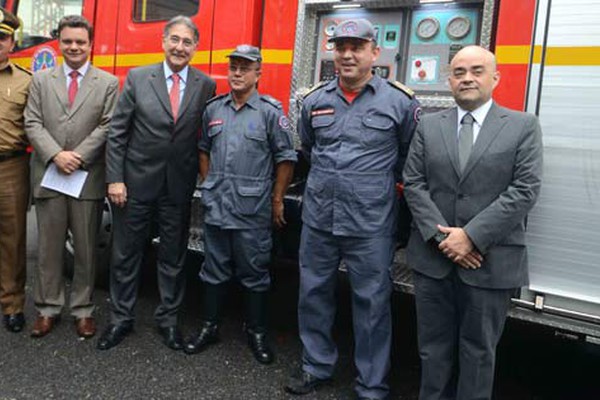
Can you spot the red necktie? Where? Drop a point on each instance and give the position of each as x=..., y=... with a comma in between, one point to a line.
x=174, y=96
x=73, y=86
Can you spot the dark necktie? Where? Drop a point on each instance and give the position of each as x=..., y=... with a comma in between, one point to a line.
x=174, y=95
x=465, y=140
x=73, y=87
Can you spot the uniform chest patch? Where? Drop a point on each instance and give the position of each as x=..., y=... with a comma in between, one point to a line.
x=323, y=111
x=215, y=122
x=284, y=122
x=417, y=114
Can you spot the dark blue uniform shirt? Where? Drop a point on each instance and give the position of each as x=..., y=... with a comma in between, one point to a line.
x=356, y=151
x=244, y=146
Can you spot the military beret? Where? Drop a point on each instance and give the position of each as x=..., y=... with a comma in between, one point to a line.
x=354, y=29
x=248, y=52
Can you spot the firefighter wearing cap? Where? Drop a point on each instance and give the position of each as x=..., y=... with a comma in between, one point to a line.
x=355, y=131
x=245, y=143
x=14, y=175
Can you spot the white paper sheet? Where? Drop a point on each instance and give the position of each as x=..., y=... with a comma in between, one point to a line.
x=71, y=185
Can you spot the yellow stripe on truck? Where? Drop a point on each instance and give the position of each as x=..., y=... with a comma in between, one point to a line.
x=270, y=56
x=555, y=56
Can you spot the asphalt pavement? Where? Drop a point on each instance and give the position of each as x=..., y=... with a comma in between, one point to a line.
x=532, y=362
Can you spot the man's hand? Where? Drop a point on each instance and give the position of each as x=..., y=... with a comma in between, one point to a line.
x=67, y=161
x=278, y=219
x=117, y=193
x=459, y=248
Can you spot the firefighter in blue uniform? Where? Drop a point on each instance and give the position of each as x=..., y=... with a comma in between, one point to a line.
x=245, y=143
x=356, y=131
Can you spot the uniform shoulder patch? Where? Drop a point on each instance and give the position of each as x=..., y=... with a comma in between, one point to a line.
x=403, y=88
x=271, y=100
x=28, y=72
x=220, y=96
x=315, y=88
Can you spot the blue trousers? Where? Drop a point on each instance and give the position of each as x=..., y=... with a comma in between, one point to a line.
x=368, y=261
x=241, y=253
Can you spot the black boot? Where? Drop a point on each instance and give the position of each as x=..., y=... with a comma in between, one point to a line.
x=212, y=298
x=256, y=326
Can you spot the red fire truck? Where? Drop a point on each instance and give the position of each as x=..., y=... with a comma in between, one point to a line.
x=548, y=54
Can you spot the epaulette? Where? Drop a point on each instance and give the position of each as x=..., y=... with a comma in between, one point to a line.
x=220, y=96
x=403, y=88
x=314, y=88
x=271, y=100
x=23, y=69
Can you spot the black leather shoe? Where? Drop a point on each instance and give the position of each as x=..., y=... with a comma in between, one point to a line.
x=304, y=383
x=209, y=334
x=14, y=322
x=257, y=341
x=113, y=335
x=171, y=337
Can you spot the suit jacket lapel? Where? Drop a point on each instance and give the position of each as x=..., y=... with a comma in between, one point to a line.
x=492, y=125
x=59, y=86
x=448, y=124
x=159, y=84
x=191, y=88
x=86, y=87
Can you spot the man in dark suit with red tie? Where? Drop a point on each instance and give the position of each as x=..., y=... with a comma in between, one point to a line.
x=152, y=165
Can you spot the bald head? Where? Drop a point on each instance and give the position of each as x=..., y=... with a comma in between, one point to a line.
x=473, y=77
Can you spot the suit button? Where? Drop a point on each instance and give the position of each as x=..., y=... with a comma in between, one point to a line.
x=461, y=196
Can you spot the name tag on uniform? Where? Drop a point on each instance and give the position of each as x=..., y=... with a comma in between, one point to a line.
x=215, y=122
x=323, y=111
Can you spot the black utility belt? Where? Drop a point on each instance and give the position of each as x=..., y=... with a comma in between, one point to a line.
x=5, y=155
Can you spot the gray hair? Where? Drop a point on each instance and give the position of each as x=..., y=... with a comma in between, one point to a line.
x=182, y=20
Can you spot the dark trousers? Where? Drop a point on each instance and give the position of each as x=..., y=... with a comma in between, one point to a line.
x=241, y=253
x=130, y=237
x=459, y=327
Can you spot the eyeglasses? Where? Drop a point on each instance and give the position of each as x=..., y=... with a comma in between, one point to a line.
x=175, y=40
x=242, y=68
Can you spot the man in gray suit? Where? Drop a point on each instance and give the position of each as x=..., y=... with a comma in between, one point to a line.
x=66, y=120
x=152, y=165
x=473, y=173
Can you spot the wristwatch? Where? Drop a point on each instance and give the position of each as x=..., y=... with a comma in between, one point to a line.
x=438, y=237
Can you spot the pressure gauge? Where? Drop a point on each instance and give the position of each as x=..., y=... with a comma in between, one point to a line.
x=330, y=28
x=427, y=28
x=458, y=27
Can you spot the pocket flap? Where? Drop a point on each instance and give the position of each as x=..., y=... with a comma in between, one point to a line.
x=380, y=122
x=251, y=191
x=256, y=134
x=215, y=130
x=321, y=121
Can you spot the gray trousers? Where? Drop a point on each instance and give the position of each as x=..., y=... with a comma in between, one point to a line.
x=368, y=261
x=241, y=253
x=54, y=216
x=130, y=238
x=458, y=329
